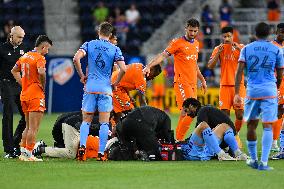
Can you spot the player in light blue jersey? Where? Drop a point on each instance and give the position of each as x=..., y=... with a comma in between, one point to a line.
x=260, y=59
x=101, y=55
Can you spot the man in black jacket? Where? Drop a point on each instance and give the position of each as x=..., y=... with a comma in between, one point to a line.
x=10, y=52
x=144, y=127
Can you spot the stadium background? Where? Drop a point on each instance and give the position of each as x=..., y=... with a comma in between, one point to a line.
x=69, y=23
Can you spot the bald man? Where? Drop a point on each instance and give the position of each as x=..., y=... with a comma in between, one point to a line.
x=10, y=52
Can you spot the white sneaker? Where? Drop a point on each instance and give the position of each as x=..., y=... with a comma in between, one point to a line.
x=275, y=147
x=23, y=157
x=33, y=158
x=225, y=157
x=242, y=157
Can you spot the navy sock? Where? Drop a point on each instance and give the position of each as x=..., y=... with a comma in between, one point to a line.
x=84, y=132
x=229, y=138
x=282, y=141
x=267, y=138
x=211, y=140
x=103, y=134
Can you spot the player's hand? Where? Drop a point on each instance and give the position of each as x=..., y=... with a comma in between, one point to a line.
x=83, y=79
x=235, y=45
x=237, y=101
x=204, y=86
x=220, y=48
x=146, y=70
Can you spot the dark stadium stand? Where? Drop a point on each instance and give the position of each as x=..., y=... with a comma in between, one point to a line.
x=27, y=13
x=152, y=15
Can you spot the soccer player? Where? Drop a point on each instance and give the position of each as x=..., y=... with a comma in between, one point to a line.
x=98, y=88
x=228, y=54
x=185, y=51
x=32, y=79
x=134, y=79
x=213, y=126
x=260, y=59
x=276, y=127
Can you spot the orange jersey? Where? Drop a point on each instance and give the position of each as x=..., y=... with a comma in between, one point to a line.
x=229, y=63
x=132, y=79
x=185, y=60
x=31, y=86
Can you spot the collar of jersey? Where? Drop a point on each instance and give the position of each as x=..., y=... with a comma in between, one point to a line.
x=191, y=40
x=104, y=40
x=278, y=42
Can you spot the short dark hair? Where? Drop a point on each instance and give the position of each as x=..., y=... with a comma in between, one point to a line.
x=192, y=101
x=227, y=29
x=262, y=30
x=41, y=39
x=280, y=26
x=192, y=22
x=106, y=29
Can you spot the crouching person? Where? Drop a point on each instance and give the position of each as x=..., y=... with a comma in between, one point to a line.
x=213, y=128
x=139, y=133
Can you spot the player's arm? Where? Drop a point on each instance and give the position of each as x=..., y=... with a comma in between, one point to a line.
x=16, y=73
x=239, y=74
x=279, y=67
x=122, y=70
x=279, y=72
x=202, y=79
x=215, y=56
x=77, y=63
x=42, y=77
x=155, y=61
x=142, y=99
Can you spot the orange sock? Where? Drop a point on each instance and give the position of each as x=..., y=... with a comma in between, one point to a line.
x=183, y=126
x=276, y=128
x=30, y=147
x=238, y=124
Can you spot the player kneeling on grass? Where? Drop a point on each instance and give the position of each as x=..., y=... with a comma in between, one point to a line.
x=66, y=134
x=32, y=79
x=204, y=143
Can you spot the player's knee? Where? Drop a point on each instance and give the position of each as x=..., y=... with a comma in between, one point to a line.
x=224, y=126
x=202, y=126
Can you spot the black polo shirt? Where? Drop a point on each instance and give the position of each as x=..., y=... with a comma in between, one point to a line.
x=9, y=55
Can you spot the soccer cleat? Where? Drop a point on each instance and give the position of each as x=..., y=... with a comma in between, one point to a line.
x=252, y=164
x=279, y=155
x=81, y=155
x=102, y=157
x=23, y=157
x=275, y=147
x=240, y=144
x=242, y=157
x=226, y=157
x=33, y=158
x=9, y=156
x=261, y=167
x=39, y=148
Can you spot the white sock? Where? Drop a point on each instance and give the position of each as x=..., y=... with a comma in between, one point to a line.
x=264, y=163
x=238, y=152
x=221, y=153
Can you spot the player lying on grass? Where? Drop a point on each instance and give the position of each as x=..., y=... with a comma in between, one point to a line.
x=66, y=134
x=213, y=127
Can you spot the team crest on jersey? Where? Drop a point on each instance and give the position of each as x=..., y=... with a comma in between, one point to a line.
x=61, y=69
x=22, y=52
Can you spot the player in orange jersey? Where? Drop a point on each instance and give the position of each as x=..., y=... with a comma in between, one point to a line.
x=32, y=79
x=185, y=51
x=276, y=127
x=134, y=79
x=227, y=53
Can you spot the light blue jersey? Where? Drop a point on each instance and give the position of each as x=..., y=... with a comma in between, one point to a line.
x=101, y=56
x=261, y=58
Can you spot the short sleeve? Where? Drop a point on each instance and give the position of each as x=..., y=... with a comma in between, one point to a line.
x=279, y=59
x=172, y=47
x=41, y=62
x=84, y=48
x=118, y=55
x=215, y=51
x=242, y=57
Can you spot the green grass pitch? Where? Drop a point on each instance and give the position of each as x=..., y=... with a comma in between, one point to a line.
x=63, y=173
